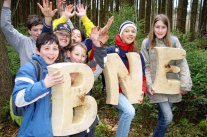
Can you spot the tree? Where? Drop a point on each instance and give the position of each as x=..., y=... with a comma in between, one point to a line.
x=142, y=9
x=147, y=17
x=203, y=19
x=117, y=5
x=170, y=12
x=163, y=6
x=193, y=18
x=5, y=76
x=181, y=14
x=159, y=6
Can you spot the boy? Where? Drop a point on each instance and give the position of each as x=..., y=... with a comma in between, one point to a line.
x=24, y=45
x=35, y=95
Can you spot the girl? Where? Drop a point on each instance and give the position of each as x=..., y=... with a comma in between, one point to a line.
x=125, y=42
x=77, y=53
x=159, y=36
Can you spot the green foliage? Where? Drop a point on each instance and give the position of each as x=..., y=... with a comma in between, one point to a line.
x=102, y=130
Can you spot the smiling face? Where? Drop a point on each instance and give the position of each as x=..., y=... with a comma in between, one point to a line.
x=49, y=52
x=128, y=35
x=35, y=31
x=77, y=55
x=160, y=29
x=76, y=36
x=63, y=37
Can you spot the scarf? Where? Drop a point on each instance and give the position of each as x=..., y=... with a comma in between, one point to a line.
x=123, y=46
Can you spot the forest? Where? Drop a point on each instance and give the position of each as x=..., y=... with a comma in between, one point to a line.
x=188, y=22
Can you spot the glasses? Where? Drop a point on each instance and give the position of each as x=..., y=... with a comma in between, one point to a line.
x=63, y=34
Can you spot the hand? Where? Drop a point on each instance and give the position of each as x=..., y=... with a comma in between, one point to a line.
x=151, y=91
x=94, y=35
x=103, y=35
x=53, y=79
x=47, y=9
x=183, y=92
x=68, y=11
x=141, y=99
x=81, y=11
x=7, y=3
x=60, y=6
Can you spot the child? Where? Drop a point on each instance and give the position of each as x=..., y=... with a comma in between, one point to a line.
x=24, y=45
x=159, y=36
x=78, y=53
x=125, y=42
x=35, y=95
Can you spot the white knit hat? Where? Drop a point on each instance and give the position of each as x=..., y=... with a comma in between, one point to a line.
x=125, y=24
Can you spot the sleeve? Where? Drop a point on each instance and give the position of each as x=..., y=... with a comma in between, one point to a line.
x=98, y=63
x=87, y=24
x=147, y=64
x=47, y=28
x=62, y=19
x=110, y=49
x=184, y=74
x=70, y=23
x=26, y=89
x=13, y=37
x=143, y=72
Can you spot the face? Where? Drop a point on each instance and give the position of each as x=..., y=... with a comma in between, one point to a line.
x=160, y=29
x=77, y=55
x=64, y=38
x=128, y=35
x=35, y=31
x=49, y=52
x=76, y=36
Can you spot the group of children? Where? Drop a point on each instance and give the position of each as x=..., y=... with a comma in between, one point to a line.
x=56, y=41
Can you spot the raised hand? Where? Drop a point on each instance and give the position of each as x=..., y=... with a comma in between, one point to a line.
x=68, y=11
x=94, y=35
x=47, y=8
x=7, y=3
x=60, y=6
x=53, y=79
x=81, y=11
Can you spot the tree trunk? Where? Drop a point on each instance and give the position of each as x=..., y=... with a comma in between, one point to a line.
x=21, y=13
x=117, y=5
x=153, y=11
x=159, y=6
x=106, y=7
x=193, y=18
x=182, y=12
x=147, y=19
x=111, y=6
x=102, y=14
x=170, y=12
x=142, y=9
x=94, y=10
x=5, y=76
x=163, y=6
x=203, y=20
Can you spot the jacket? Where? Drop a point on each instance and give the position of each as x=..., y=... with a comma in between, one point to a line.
x=24, y=45
x=35, y=97
x=150, y=70
x=123, y=48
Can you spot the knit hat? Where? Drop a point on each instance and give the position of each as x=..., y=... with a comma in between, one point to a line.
x=63, y=27
x=125, y=24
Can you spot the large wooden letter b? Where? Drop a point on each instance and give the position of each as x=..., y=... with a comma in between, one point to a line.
x=72, y=110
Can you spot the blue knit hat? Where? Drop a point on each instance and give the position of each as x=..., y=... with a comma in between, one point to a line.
x=125, y=24
x=63, y=27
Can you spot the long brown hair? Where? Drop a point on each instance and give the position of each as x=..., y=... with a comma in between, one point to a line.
x=166, y=38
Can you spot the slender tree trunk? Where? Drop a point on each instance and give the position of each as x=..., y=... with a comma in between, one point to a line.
x=106, y=9
x=170, y=12
x=111, y=6
x=203, y=23
x=163, y=6
x=193, y=18
x=153, y=11
x=102, y=14
x=182, y=12
x=147, y=17
x=94, y=11
x=142, y=9
x=117, y=5
x=5, y=76
x=159, y=6
x=21, y=13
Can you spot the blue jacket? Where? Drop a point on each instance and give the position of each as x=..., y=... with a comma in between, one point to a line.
x=35, y=97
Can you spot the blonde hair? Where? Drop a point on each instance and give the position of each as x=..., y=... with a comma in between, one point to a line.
x=166, y=38
x=71, y=48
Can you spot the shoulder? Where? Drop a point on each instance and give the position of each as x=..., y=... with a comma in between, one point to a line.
x=110, y=49
x=27, y=70
x=145, y=42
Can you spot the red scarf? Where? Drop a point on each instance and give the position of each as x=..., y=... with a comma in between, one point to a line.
x=123, y=46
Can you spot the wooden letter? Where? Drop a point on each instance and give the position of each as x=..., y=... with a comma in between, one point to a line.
x=65, y=97
x=164, y=56
x=116, y=73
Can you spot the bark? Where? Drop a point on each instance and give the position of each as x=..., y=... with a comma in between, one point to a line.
x=102, y=14
x=182, y=12
x=111, y=6
x=159, y=6
x=203, y=24
x=117, y=5
x=193, y=18
x=147, y=17
x=170, y=12
x=142, y=9
x=163, y=6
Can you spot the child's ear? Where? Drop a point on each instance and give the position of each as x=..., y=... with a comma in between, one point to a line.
x=37, y=51
x=29, y=31
x=68, y=53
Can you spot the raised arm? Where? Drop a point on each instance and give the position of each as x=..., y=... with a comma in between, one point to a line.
x=81, y=13
x=46, y=9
